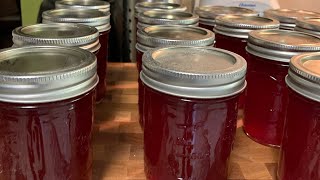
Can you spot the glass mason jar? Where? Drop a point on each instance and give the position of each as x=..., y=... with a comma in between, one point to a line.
x=269, y=53
x=190, y=111
x=232, y=34
x=208, y=14
x=76, y=4
x=299, y=155
x=47, y=111
x=308, y=25
x=91, y=17
x=161, y=36
x=288, y=17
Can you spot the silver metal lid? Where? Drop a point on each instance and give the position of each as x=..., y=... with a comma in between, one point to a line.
x=194, y=72
x=240, y=25
x=146, y=6
x=39, y=74
x=142, y=25
x=90, y=17
x=83, y=36
x=162, y=35
x=281, y=45
x=86, y=4
x=309, y=25
x=163, y=17
x=211, y=12
x=304, y=75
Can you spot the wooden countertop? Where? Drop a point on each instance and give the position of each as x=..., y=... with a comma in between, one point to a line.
x=118, y=139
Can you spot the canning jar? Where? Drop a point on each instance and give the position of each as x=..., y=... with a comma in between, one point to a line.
x=269, y=53
x=232, y=34
x=208, y=14
x=163, y=35
x=47, y=111
x=300, y=155
x=91, y=17
x=288, y=17
x=308, y=25
x=76, y=4
x=190, y=111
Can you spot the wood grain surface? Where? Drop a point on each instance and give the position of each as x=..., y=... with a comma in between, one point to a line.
x=118, y=139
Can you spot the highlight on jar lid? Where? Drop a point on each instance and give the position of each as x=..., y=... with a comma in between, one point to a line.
x=287, y=17
x=86, y=4
x=39, y=74
x=281, y=45
x=171, y=35
x=90, y=17
x=308, y=25
x=240, y=25
x=63, y=34
x=304, y=75
x=145, y=6
x=194, y=72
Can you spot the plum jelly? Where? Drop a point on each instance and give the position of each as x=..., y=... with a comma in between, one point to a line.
x=47, y=100
x=190, y=111
x=269, y=53
x=168, y=35
x=308, y=25
x=208, y=14
x=300, y=153
x=90, y=17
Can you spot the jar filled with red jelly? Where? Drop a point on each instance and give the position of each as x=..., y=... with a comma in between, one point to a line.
x=208, y=14
x=308, y=25
x=299, y=154
x=91, y=17
x=232, y=33
x=165, y=35
x=269, y=53
x=288, y=17
x=47, y=99
x=103, y=6
x=190, y=111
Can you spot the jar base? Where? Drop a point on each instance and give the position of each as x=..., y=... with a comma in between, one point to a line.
x=260, y=142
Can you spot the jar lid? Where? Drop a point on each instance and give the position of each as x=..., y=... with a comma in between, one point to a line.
x=90, y=17
x=240, y=25
x=83, y=36
x=211, y=12
x=309, y=25
x=281, y=45
x=194, y=72
x=166, y=6
x=40, y=74
x=142, y=25
x=304, y=75
x=164, y=17
x=164, y=35
x=87, y=4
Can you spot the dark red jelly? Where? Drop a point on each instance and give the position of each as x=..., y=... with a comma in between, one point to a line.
x=139, y=55
x=206, y=26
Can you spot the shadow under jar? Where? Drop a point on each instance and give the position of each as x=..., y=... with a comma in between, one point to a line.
x=308, y=25
x=300, y=155
x=90, y=17
x=161, y=36
x=232, y=32
x=269, y=53
x=76, y=4
x=288, y=17
x=47, y=110
x=208, y=14
x=190, y=111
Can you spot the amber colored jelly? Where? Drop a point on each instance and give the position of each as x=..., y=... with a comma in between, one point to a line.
x=266, y=99
x=300, y=152
x=209, y=27
x=47, y=141
x=188, y=138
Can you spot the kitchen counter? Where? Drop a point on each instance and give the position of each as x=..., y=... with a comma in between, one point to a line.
x=118, y=139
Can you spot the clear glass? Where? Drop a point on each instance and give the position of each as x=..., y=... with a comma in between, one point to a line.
x=300, y=151
x=47, y=141
x=187, y=138
x=266, y=100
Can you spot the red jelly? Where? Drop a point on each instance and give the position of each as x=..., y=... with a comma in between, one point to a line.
x=91, y=17
x=47, y=101
x=308, y=25
x=190, y=111
x=300, y=154
x=269, y=52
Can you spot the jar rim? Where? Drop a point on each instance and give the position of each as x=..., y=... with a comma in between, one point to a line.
x=103, y=6
x=211, y=12
x=288, y=16
x=145, y=6
x=164, y=17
